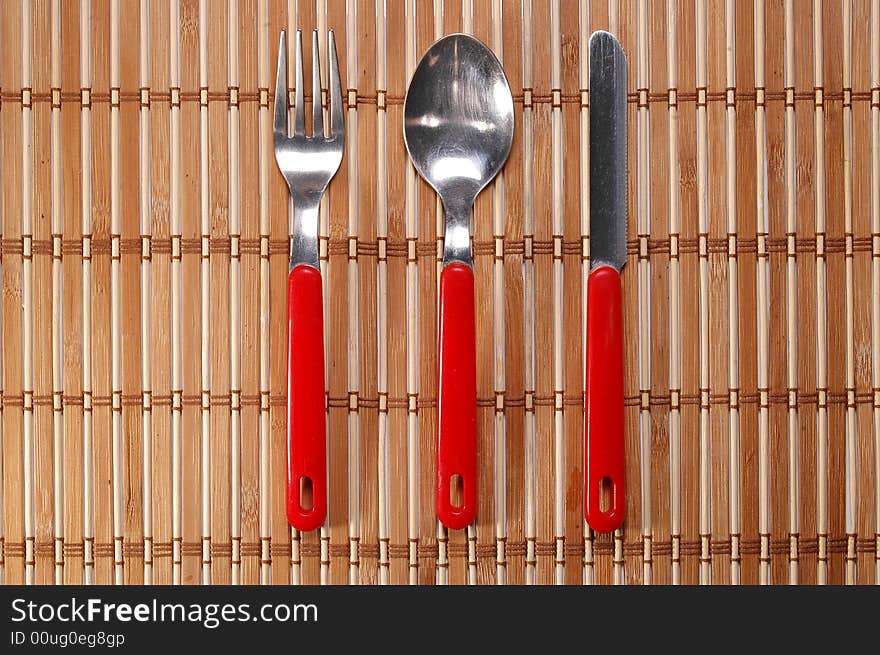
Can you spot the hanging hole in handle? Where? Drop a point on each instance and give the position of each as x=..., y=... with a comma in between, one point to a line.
x=605, y=490
x=306, y=499
x=456, y=491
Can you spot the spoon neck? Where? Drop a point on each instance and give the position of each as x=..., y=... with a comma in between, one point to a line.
x=457, y=235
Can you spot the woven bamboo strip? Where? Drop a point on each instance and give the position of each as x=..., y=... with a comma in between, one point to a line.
x=584, y=213
x=529, y=439
x=221, y=195
x=236, y=302
x=745, y=478
x=382, y=327
x=724, y=456
x=584, y=32
x=57, y=304
x=791, y=294
x=770, y=276
x=281, y=547
x=509, y=22
x=355, y=231
x=176, y=282
x=875, y=271
x=121, y=197
x=248, y=46
x=205, y=299
x=573, y=526
x=499, y=323
x=810, y=212
x=557, y=291
x=129, y=309
x=116, y=301
x=830, y=347
x=360, y=303
x=851, y=418
x=859, y=167
x=733, y=299
x=27, y=288
x=685, y=463
x=88, y=488
x=484, y=542
x=545, y=299
x=428, y=27
x=821, y=328
x=184, y=351
x=384, y=229
x=412, y=328
x=726, y=218
x=674, y=315
x=364, y=473
x=703, y=220
x=534, y=468
x=95, y=492
x=41, y=340
x=70, y=360
x=665, y=319
x=265, y=82
x=763, y=290
x=13, y=456
x=396, y=503
x=840, y=560
x=3, y=443
x=157, y=485
x=146, y=292
x=643, y=224
x=234, y=182
x=135, y=22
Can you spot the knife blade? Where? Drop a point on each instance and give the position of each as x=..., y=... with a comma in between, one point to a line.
x=604, y=461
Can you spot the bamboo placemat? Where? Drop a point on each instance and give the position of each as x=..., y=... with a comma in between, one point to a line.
x=144, y=256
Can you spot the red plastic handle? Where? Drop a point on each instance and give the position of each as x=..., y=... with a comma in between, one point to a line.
x=603, y=423
x=457, y=397
x=306, y=419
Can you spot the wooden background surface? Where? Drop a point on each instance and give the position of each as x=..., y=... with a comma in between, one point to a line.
x=144, y=255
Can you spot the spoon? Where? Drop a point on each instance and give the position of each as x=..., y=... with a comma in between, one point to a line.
x=458, y=129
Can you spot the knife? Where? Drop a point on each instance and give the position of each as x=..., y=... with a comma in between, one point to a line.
x=603, y=378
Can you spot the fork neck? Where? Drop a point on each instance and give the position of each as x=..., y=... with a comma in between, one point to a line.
x=304, y=240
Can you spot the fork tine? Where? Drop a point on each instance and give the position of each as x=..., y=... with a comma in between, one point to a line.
x=299, y=109
x=280, y=126
x=336, y=109
x=317, y=109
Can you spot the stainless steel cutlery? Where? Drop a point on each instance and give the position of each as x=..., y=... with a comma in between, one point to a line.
x=308, y=162
x=458, y=130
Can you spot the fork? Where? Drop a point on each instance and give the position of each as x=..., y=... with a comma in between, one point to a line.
x=307, y=164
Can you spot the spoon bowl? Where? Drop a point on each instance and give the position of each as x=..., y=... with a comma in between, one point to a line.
x=458, y=120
